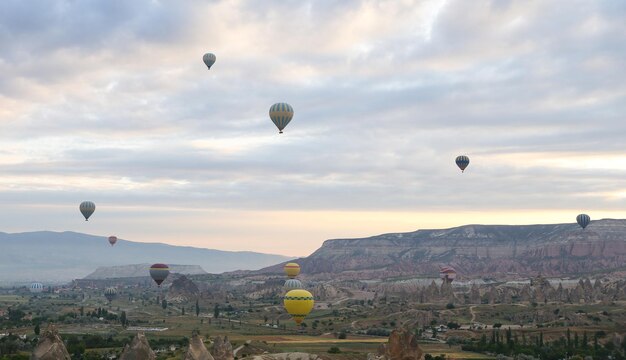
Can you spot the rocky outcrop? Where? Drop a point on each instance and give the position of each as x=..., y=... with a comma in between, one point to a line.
x=402, y=345
x=182, y=290
x=197, y=350
x=222, y=349
x=50, y=346
x=474, y=251
x=138, y=349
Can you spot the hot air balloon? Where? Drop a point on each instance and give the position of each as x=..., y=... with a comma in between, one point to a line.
x=209, y=60
x=447, y=273
x=87, y=208
x=291, y=284
x=292, y=270
x=159, y=273
x=298, y=304
x=36, y=288
x=110, y=293
x=462, y=161
x=281, y=114
x=112, y=240
x=583, y=220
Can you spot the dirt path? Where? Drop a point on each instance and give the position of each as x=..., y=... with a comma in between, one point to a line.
x=473, y=313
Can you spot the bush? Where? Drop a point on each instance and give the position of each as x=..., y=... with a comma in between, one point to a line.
x=449, y=306
x=334, y=350
x=342, y=335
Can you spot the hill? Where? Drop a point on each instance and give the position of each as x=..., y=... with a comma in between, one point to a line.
x=488, y=251
x=139, y=270
x=53, y=256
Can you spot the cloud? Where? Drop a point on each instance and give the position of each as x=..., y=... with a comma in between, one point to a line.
x=111, y=102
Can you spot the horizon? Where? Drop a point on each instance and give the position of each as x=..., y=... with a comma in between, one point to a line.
x=111, y=103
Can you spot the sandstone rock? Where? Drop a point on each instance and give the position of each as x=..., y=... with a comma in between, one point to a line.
x=222, y=349
x=182, y=290
x=138, y=349
x=402, y=345
x=50, y=346
x=197, y=350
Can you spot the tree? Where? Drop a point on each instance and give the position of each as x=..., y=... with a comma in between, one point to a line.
x=183, y=310
x=164, y=304
x=123, y=318
x=37, y=329
x=216, y=311
x=197, y=308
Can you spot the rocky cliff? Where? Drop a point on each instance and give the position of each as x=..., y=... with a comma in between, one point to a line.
x=474, y=251
x=197, y=350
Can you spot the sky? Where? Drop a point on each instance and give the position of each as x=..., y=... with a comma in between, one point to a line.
x=109, y=101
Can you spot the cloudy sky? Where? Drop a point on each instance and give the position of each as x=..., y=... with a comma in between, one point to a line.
x=109, y=101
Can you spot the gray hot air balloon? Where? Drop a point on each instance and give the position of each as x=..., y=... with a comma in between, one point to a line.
x=209, y=60
x=291, y=284
x=36, y=288
x=87, y=208
x=110, y=293
x=462, y=161
x=583, y=220
x=281, y=114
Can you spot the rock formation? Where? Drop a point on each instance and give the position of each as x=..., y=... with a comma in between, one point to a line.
x=138, y=349
x=222, y=349
x=182, y=290
x=402, y=345
x=474, y=250
x=197, y=350
x=50, y=346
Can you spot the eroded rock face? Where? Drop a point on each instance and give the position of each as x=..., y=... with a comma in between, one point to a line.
x=182, y=290
x=50, y=346
x=402, y=345
x=222, y=349
x=197, y=350
x=138, y=349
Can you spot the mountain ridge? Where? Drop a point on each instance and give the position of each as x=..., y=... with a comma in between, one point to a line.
x=63, y=256
x=504, y=251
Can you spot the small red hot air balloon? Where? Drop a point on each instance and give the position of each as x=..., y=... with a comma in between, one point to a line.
x=112, y=240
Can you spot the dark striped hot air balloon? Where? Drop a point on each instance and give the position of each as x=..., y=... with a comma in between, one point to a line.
x=462, y=161
x=209, y=60
x=583, y=220
x=110, y=293
x=112, y=240
x=159, y=273
x=87, y=208
x=281, y=114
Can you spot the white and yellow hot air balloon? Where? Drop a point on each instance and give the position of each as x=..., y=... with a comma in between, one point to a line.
x=298, y=304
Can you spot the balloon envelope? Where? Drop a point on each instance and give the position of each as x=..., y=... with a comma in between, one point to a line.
x=281, y=114
x=159, y=273
x=447, y=273
x=87, y=208
x=583, y=220
x=209, y=60
x=292, y=270
x=112, y=240
x=292, y=284
x=298, y=304
x=36, y=288
x=462, y=161
x=110, y=293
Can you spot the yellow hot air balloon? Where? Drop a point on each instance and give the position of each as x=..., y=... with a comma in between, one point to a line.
x=298, y=304
x=292, y=270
